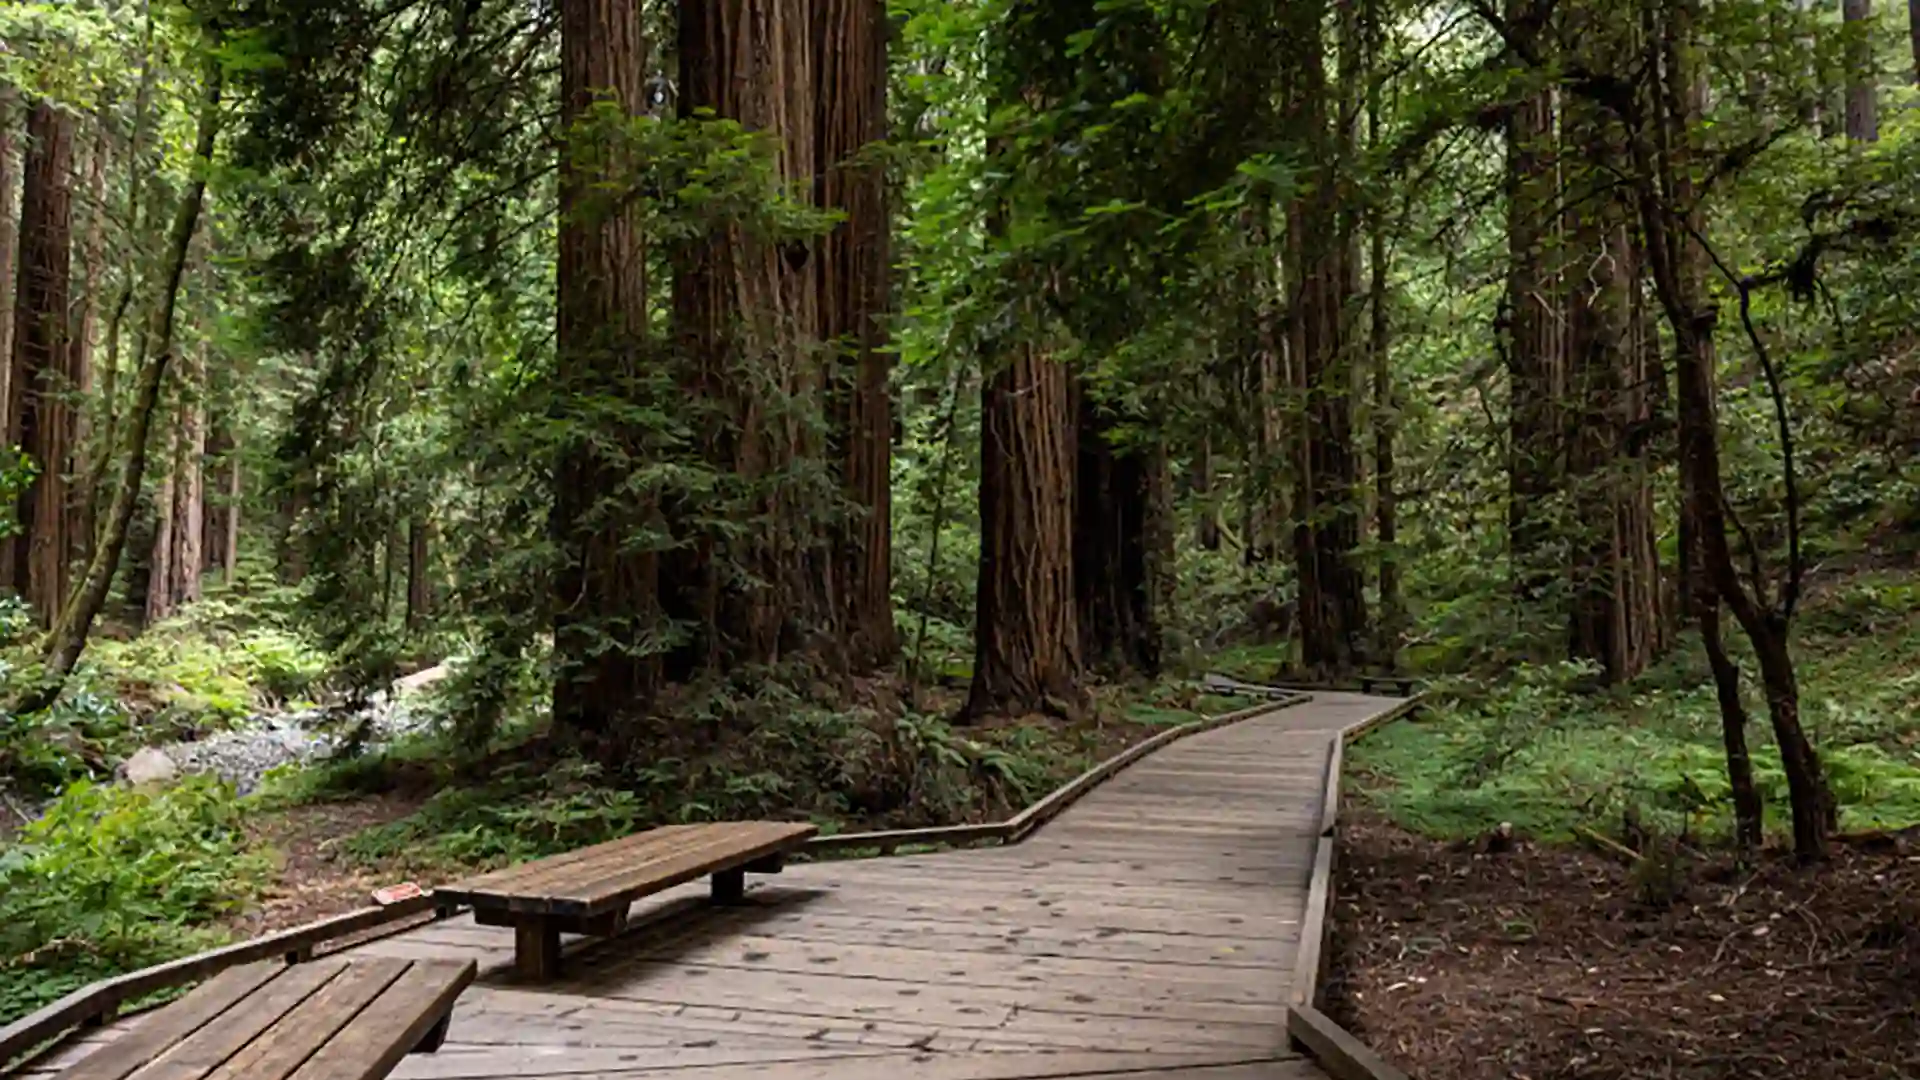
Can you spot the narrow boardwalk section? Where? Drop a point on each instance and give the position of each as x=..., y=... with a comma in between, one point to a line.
x=1149, y=930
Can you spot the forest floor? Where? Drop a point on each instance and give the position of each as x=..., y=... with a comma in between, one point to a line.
x=1545, y=961
x=1550, y=950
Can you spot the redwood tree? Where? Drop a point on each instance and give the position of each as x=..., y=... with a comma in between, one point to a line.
x=1321, y=266
x=36, y=409
x=604, y=590
x=851, y=106
x=746, y=319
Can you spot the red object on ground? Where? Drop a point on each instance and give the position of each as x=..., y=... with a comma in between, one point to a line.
x=393, y=894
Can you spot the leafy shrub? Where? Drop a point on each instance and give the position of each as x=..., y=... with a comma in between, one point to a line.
x=112, y=879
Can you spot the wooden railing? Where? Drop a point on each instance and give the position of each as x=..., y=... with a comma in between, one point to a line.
x=99, y=1002
x=1343, y=1056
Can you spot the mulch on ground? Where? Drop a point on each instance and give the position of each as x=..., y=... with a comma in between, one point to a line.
x=1542, y=963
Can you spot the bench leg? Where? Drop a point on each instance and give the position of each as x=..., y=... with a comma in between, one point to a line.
x=536, y=949
x=730, y=886
x=435, y=1036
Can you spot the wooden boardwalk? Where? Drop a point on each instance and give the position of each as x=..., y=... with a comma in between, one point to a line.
x=1150, y=930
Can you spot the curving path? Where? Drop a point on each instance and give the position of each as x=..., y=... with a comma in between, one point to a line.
x=1150, y=930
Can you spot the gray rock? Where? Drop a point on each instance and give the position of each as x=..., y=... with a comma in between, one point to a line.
x=150, y=767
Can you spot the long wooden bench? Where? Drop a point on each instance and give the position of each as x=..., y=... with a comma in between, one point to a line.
x=329, y=1019
x=588, y=891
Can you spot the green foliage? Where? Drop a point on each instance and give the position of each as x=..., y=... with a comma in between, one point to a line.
x=113, y=879
x=1535, y=747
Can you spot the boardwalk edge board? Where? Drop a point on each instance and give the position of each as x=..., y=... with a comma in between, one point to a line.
x=1341, y=1054
x=1021, y=825
x=99, y=1002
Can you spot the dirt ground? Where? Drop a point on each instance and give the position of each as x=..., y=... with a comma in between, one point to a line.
x=1540, y=963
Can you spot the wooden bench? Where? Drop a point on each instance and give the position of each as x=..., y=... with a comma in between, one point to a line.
x=588, y=891
x=329, y=1019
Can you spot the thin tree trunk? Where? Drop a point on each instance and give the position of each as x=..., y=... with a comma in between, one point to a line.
x=1749, y=812
x=160, y=576
x=79, y=527
x=1385, y=412
x=1672, y=222
x=36, y=403
x=229, y=535
x=9, y=229
x=1863, y=113
x=189, y=486
x=850, y=67
x=1206, y=530
x=419, y=572
x=603, y=589
x=68, y=640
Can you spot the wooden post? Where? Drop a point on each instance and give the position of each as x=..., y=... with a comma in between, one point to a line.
x=730, y=886
x=536, y=949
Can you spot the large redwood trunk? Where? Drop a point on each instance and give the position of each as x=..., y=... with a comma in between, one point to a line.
x=1326, y=513
x=746, y=314
x=1116, y=559
x=851, y=73
x=1026, y=637
x=1615, y=571
x=37, y=417
x=605, y=596
x=1536, y=380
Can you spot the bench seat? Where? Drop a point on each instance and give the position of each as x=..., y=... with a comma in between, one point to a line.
x=589, y=890
x=328, y=1019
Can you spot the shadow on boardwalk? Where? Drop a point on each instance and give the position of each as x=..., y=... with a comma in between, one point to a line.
x=1150, y=929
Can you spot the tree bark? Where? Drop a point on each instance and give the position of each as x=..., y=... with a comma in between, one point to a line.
x=605, y=595
x=1614, y=578
x=79, y=527
x=1379, y=341
x=37, y=412
x=1320, y=261
x=1535, y=375
x=68, y=639
x=419, y=572
x=160, y=576
x=9, y=230
x=229, y=535
x=746, y=312
x=1026, y=638
x=1863, y=113
x=1114, y=548
x=189, y=485
x=850, y=57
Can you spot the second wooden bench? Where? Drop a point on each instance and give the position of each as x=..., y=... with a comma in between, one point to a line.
x=588, y=891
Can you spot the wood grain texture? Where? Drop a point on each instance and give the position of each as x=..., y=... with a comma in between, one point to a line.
x=1151, y=929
